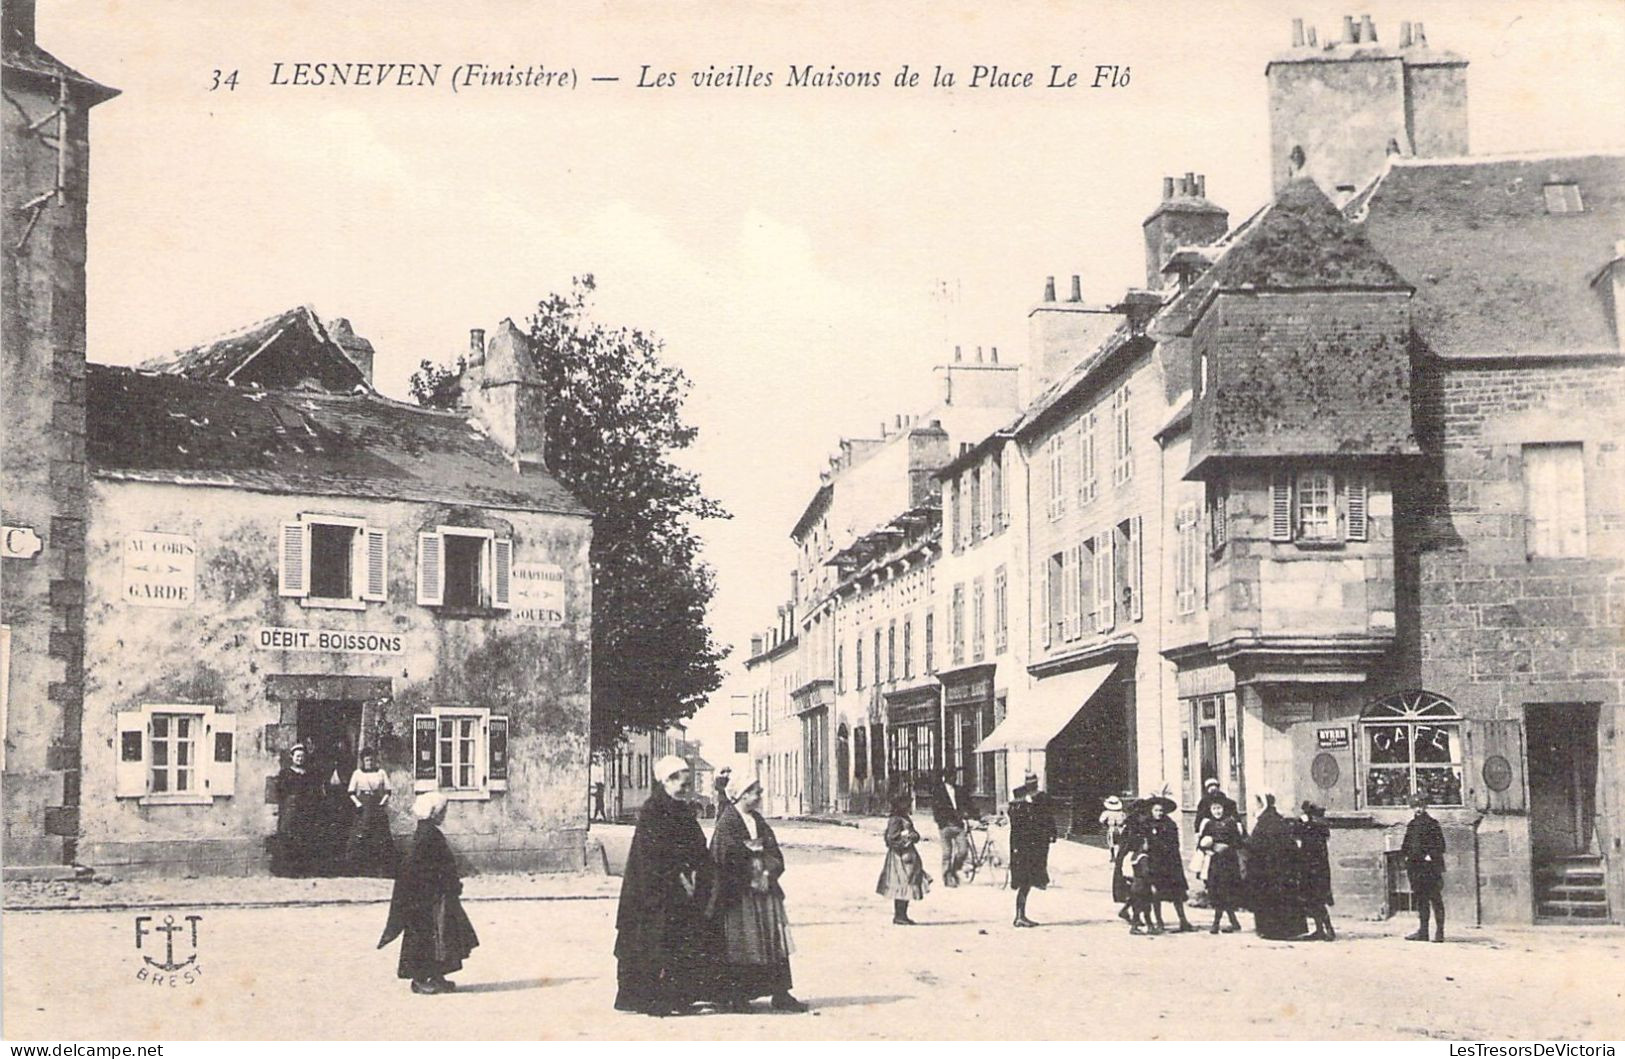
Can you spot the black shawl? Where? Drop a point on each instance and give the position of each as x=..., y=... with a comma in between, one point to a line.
x=425, y=908
x=667, y=843
x=733, y=858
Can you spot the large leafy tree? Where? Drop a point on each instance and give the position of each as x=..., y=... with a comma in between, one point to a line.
x=614, y=419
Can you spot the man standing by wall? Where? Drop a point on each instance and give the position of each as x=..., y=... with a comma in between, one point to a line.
x=1424, y=863
x=951, y=809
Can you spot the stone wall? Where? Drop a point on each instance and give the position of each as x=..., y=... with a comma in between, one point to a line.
x=42, y=472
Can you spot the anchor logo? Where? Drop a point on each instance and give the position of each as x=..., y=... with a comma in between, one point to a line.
x=169, y=928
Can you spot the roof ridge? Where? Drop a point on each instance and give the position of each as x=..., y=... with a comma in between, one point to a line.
x=1507, y=156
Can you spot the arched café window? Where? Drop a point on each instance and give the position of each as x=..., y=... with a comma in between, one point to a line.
x=1411, y=741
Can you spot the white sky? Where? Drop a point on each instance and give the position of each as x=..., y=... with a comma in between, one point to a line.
x=784, y=242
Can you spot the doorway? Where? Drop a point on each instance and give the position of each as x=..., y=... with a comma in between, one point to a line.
x=1570, y=873
x=331, y=733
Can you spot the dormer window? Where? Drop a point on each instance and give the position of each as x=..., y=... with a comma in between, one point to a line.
x=1563, y=198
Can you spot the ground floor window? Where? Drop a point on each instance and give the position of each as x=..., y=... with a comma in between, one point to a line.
x=177, y=754
x=461, y=751
x=1411, y=743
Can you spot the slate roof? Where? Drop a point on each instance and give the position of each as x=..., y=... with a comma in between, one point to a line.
x=296, y=332
x=1475, y=239
x=1303, y=242
x=155, y=427
x=19, y=53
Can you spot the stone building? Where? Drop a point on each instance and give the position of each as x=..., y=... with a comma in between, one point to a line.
x=1402, y=414
x=772, y=669
x=43, y=488
x=268, y=566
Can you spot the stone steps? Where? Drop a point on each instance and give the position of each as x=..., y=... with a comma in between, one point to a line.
x=1572, y=890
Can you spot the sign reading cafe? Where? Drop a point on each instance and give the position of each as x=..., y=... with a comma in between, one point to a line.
x=160, y=570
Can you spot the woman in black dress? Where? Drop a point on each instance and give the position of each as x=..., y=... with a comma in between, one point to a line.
x=1163, y=862
x=1315, y=870
x=1221, y=840
x=748, y=904
x=1032, y=829
x=666, y=950
x=300, y=798
x=1272, y=876
x=424, y=911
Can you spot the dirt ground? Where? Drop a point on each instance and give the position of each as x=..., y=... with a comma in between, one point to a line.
x=545, y=970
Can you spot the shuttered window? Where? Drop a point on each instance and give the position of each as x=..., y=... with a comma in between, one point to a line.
x=1554, y=501
x=463, y=751
x=1187, y=558
x=1123, y=438
x=464, y=568
x=176, y=754
x=333, y=561
x=1088, y=479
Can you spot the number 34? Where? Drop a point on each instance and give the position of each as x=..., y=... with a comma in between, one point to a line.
x=224, y=80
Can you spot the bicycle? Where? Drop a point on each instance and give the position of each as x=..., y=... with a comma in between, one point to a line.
x=984, y=852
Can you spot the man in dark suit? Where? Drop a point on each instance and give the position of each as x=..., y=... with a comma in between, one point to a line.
x=952, y=809
x=1424, y=863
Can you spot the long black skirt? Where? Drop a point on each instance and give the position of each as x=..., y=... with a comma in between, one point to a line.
x=437, y=942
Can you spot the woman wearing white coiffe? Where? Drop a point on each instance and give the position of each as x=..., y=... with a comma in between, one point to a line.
x=748, y=904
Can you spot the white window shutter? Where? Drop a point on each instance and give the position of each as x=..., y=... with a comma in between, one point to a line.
x=502, y=573
x=1281, y=507
x=293, y=560
x=1571, y=501
x=376, y=565
x=1044, y=615
x=1137, y=569
x=431, y=570
x=1105, y=582
x=1356, y=503
x=130, y=769
x=222, y=754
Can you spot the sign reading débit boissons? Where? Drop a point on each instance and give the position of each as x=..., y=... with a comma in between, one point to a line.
x=333, y=641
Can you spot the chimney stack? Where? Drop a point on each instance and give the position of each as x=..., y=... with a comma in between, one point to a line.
x=1049, y=287
x=1350, y=34
x=1297, y=33
x=959, y=357
x=19, y=20
x=1404, y=34
x=505, y=395
x=1167, y=187
x=1077, y=289
x=1201, y=185
x=978, y=354
x=1419, y=39
x=1313, y=38
x=1368, y=30
x=995, y=354
x=476, y=344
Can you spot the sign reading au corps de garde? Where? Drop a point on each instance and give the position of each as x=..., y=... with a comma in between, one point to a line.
x=160, y=570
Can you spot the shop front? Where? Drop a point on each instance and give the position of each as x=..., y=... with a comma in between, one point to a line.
x=914, y=739
x=1075, y=730
x=970, y=714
